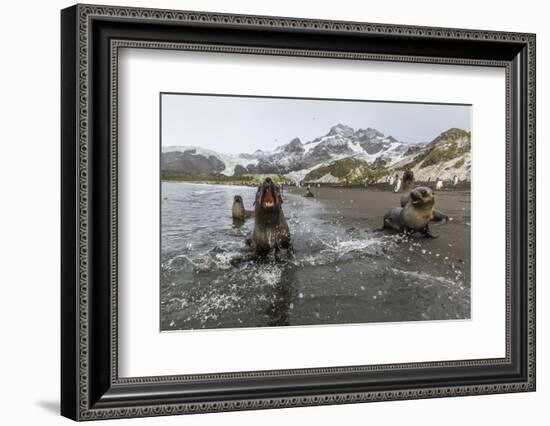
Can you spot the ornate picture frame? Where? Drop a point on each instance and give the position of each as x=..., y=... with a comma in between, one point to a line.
x=91, y=37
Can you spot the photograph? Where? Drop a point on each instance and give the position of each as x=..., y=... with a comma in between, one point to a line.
x=293, y=211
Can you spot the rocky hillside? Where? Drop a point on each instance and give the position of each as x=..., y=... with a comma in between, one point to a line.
x=351, y=170
x=342, y=154
x=446, y=156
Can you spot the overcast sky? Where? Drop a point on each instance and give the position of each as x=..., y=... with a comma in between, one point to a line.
x=233, y=124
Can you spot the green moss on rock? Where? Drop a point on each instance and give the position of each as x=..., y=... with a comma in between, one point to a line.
x=352, y=169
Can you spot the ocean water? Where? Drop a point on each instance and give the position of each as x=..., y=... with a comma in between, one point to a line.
x=336, y=274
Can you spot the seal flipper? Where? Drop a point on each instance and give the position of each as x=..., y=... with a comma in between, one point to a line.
x=285, y=243
x=427, y=234
x=439, y=217
x=392, y=219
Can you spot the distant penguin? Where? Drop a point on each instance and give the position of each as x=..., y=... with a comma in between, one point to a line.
x=318, y=185
x=397, y=187
x=308, y=192
x=391, y=181
x=439, y=184
x=455, y=180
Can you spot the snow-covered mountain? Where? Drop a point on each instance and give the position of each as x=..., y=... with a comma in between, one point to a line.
x=297, y=160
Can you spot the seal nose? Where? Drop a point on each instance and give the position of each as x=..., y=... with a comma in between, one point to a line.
x=267, y=180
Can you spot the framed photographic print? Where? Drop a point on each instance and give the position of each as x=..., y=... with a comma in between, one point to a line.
x=263, y=212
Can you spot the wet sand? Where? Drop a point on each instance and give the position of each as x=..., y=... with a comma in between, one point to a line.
x=363, y=209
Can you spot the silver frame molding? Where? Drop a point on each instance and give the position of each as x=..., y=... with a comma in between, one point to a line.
x=91, y=400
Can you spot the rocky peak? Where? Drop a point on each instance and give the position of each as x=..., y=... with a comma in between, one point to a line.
x=367, y=134
x=340, y=130
x=295, y=145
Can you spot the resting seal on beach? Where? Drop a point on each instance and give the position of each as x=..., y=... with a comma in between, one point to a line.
x=416, y=215
x=270, y=227
x=238, y=211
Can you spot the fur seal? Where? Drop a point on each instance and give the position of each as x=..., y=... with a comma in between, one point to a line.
x=238, y=211
x=406, y=186
x=416, y=215
x=270, y=227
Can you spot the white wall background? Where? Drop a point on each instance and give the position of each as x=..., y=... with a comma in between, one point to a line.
x=29, y=211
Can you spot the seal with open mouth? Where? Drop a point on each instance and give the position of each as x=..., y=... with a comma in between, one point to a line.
x=238, y=212
x=416, y=214
x=270, y=227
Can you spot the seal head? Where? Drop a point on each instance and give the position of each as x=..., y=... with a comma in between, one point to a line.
x=422, y=197
x=268, y=199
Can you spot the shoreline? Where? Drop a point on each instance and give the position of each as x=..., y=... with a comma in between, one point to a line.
x=385, y=187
